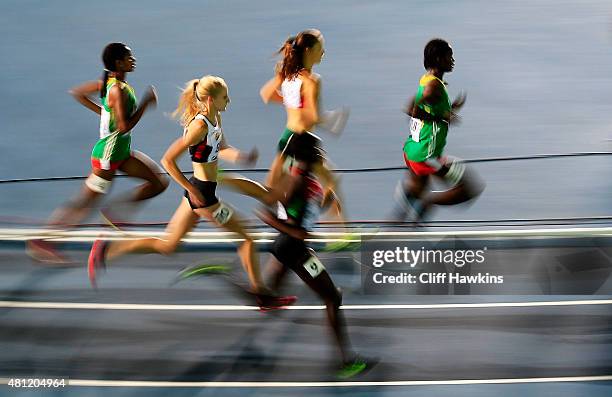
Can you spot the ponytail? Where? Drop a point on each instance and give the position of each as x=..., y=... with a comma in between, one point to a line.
x=291, y=63
x=193, y=97
x=292, y=52
x=104, y=81
x=187, y=107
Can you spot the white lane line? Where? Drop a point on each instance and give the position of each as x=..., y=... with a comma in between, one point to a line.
x=121, y=383
x=134, y=306
x=15, y=234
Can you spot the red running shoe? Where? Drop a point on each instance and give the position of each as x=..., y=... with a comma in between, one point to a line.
x=270, y=302
x=96, y=261
x=45, y=252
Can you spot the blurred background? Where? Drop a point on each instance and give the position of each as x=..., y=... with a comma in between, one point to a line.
x=537, y=74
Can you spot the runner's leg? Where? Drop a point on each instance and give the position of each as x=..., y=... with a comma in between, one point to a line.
x=182, y=222
x=141, y=166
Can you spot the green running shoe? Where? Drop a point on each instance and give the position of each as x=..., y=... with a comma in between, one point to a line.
x=349, y=241
x=352, y=368
x=203, y=270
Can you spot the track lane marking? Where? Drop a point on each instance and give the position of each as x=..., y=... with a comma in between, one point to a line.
x=124, y=383
x=144, y=306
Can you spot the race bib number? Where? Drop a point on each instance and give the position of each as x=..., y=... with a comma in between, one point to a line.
x=415, y=129
x=223, y=214
x=313, y=266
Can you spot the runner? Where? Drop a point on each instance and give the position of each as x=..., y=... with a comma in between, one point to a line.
x=298, y=88
x=431, y=114
x=119, y=114
x=199, y=110
x=302, y=195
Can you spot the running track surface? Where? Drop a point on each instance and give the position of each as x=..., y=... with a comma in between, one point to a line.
x=287, y=352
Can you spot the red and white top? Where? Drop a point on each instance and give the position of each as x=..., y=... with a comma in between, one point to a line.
x=207, y=150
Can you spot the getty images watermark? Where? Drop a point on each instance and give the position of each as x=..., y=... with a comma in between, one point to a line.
x=412, y=267
x=438, y=264
x=410, y=257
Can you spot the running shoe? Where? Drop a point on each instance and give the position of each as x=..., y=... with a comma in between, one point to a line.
x=203, y=270
x=45, y=252
x=268, y=302
x=408, y=208
x=348, y=241
x=265, y=300
x=96, y=261
x=352, y=368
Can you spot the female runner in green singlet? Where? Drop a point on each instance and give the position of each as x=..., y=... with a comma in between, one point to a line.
x=119, y=114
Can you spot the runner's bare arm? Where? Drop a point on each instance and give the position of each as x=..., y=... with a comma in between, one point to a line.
x=234, y=155
x=459, y=101
x=82, y=93
x=431, y=94
x=281, y=226
x=116, y=100
x=269, y=91
x=195, y=133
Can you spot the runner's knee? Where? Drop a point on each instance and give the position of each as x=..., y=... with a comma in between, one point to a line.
x=159, y=183
x=98, y=184
x=163, y=182
x=165, y=247
x=473, y=184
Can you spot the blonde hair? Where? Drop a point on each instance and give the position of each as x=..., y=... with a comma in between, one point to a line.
x=192, y=98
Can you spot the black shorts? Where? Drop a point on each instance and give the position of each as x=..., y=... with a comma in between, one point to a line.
x=208, y=190
x=290, y=251
x=294, y=254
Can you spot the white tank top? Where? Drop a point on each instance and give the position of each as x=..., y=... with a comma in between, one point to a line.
x=207, y=150
x=291, y=93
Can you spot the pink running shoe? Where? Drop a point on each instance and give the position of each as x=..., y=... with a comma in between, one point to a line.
x=45, y=252
x=96, y=261
x=270, y=302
